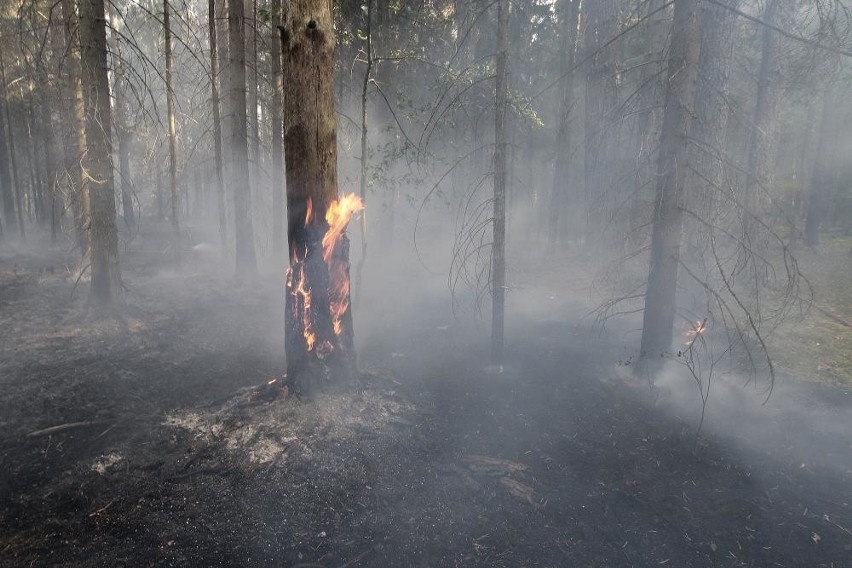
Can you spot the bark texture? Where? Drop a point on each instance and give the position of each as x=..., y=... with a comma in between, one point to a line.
x=246, y=261
x=601, y=99
x=682, y=73
x=310, y=149
x=277, y=133
x=217, y=121
x=498, y=254
x=103, y=236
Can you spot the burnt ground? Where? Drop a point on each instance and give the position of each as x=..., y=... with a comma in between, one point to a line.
x=167, y=453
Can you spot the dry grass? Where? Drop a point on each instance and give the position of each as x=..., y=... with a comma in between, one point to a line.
x=818, y=346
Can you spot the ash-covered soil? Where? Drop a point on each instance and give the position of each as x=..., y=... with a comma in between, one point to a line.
x=150, y=438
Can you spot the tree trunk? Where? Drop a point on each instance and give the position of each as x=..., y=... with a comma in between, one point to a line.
x=823, y=178
x=7, y=190
x=762, y=139
x=75, y=143
x=246, y=262
x=170, y=110
x=498, y=253
x=277, y=133
x=560, y=204
x=217, y=122
x=712, y=108
x=601, y=100
x=17, y=213
x=124, y=135
x=251, y=98
x=319, y=331
x=103, y=236
x=672, y=165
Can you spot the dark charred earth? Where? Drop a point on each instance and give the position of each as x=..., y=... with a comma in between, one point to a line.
x=149, y=438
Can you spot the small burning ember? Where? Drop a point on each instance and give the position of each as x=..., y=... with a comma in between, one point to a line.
x=305, y=276
x=693, y=332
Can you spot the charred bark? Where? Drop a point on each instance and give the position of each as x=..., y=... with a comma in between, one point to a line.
x=310, y=150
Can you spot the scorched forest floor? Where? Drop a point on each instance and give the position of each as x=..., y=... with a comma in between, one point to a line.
x=145, y=440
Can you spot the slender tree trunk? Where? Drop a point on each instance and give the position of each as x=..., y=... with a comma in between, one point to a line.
x=672, y=165
x=6, y=187
x=75, y=143
x=365, y=150
x=217, y=121
x=277, y=133
x=762, y=139
x=246, y=262
x=498, y=254
x=124, y=135
x=559, y=201
x=103, y=236
x=43, y=124
x=711, y=104
x=601, y=99
x=319, y=330
x=170, y=109
x=251, y=97
x=16, y=185
x=824, y=177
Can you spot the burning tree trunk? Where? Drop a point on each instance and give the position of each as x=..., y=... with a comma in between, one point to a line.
x=277, y=131
x=319, y=332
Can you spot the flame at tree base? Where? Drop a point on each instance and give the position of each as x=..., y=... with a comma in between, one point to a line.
x=319, y=330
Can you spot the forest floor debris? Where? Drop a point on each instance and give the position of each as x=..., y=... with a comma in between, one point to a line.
x=429, y=460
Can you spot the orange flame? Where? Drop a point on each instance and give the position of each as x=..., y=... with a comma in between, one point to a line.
x=693, y=333
x=337, y=216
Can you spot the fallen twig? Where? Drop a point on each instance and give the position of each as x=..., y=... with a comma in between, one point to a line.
x=59, y=428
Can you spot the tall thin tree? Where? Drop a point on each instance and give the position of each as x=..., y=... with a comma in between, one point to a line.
x=498, y=254
x=672, y=166
x=103, y=235
x=246, y=261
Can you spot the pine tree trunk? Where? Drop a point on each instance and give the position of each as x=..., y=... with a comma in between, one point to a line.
x=824, y=170
x=672, y=166
x=17, y=212
x=498, y=254
x=217, y=122
x=277, y=133
x=559, y=201
x=246, y=262
x=251, y=98
x=103, y=236
x=762, y=139
x=124, y=136
x=75, y=142
x=170, y=114
x=601, y=98
x=310, y=150
x=6, y=189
